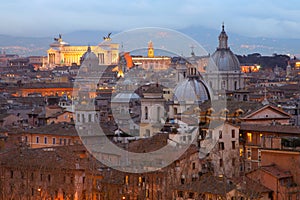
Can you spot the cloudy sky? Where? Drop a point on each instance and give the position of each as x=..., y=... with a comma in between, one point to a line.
x=269, y=18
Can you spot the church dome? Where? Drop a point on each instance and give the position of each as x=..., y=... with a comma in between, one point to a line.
x=88, y=56
x=223, y=58
x=125, y=97
x=191, y=90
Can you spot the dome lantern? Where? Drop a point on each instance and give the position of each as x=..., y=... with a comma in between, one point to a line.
x=223, y=39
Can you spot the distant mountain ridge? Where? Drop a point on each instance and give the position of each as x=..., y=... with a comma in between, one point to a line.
x=208, y=38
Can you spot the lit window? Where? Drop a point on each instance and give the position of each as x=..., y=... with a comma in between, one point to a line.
x=249, y=137
x=248, y=153
x=241, y=152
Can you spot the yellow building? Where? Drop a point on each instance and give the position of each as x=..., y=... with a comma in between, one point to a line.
x=63, y=54
x=152, y=62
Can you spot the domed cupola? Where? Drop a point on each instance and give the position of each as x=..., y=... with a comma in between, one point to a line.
x=192, y=89
x=89, y=56
x=223, y=58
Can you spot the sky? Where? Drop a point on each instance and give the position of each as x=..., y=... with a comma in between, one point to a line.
x=255, y=18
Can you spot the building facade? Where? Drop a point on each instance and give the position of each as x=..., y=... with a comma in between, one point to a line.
x=63, y=54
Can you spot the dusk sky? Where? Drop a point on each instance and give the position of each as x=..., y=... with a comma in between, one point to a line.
x=276, y=18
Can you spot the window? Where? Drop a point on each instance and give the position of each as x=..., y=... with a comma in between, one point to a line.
x=180, y=193
x=235, y=85
x=78, y=117
x=241, y=152
x=191, y=195
x=233, y=133
x=193, y=165
x=53, y=140
x=221, y=146
x=182, y=180
x=233, y=144
x=11, y=174
x=221, y=162
x=126, y=180
x=158, y=114
x=37, y=139
x=259, y=155
x=49, y=178
x=249, y=137
x=248, y=153
x=60, y=141
x=146, y=112
x=220, y=135
x=90, y=118
x=101, y=58
x=45, y=140
x=175, y=111
x=83, y=118
x=65, y=141
x=41, y=177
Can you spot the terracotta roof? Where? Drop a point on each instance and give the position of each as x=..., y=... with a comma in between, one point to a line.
x=153, y=143
x=209, y=184
x=62, y=157
x=251, y=188
x=275, y=109
x=275, y=171
x=67, y=129
x=271, y=128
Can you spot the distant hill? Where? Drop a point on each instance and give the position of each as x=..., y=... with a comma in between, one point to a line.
x=208, y=38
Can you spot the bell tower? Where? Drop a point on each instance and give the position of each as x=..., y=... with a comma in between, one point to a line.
x=150, y=50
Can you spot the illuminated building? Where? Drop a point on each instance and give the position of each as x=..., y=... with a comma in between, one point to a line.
x=156, y=63
x=250, y=68
x=63, y=54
